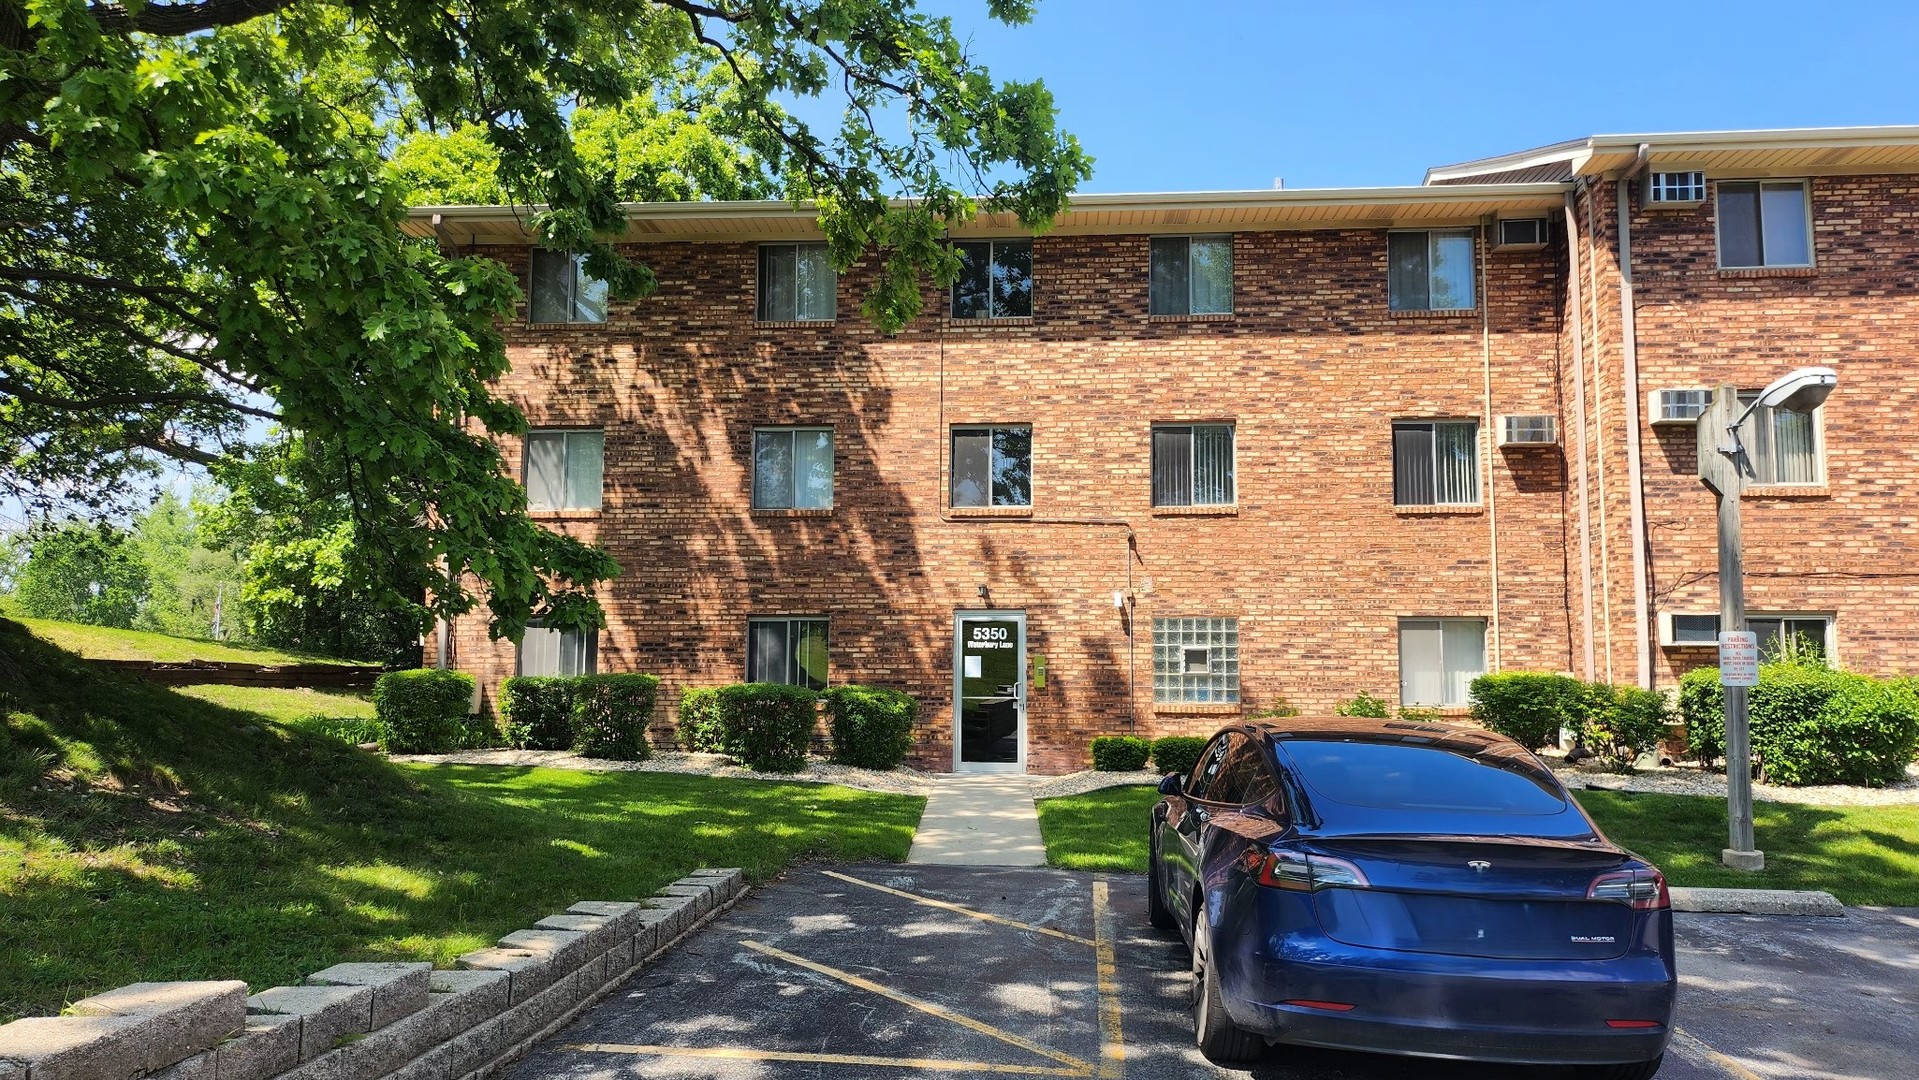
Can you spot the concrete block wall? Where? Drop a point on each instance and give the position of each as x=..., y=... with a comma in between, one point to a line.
x=369, y=1021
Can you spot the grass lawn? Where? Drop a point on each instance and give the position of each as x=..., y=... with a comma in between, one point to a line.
x=1861, y=854
x=106, y=643
x=344, y=714
x=147, y=834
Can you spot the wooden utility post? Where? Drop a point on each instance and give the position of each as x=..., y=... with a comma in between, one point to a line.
x=1723, y=467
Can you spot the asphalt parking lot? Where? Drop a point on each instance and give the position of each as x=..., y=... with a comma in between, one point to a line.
x=863, y=972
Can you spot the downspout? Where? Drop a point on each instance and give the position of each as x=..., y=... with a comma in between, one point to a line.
x=1599, y=435
x=1492, y=479
x=1575, y=301
x=1635, y=492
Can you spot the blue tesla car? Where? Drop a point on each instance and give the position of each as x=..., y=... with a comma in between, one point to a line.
x=1408, y=888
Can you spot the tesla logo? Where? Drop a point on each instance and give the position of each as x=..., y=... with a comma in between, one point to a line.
x=1480, y=865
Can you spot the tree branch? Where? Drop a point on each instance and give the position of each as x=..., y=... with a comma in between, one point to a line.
x=132, y=400
x=174, y=20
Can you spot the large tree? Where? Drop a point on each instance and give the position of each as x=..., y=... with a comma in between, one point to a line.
x=202, y=236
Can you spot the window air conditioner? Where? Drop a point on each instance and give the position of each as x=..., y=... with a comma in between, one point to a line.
x=1677, y=406
x=1522, y=234
x=1529, y=430
x=1676, y=189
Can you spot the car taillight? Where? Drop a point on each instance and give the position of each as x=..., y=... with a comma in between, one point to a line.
x=1645, y=890
x=1305, y=873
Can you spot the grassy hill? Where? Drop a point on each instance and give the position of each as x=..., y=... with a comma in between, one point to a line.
x=106, y=643
x=148, y=834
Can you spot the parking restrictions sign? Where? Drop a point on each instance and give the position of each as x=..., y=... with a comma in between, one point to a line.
x=1738, y=658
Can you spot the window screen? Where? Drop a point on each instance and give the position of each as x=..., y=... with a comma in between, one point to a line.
x=1436, y=463
x=1177, y=644
x=1193, y=465
x=1430, y=271
x=797, y=284
x=791, y=651
x=1191, y=275
x=563, y=469
x=1763, y=223
x=793, y=469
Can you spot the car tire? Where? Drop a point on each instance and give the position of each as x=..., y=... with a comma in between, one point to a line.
x=1220, y=1040
x=1157, y=912
x=1639, y=1070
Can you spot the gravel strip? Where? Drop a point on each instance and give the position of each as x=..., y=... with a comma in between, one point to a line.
x=1680, y=780
x=1079, y=783
x=900, y=781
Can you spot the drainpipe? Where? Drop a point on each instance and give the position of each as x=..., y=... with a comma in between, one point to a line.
x=1599, y=434
x=1492, y=435
x=1574, y=301
x=1635, y=490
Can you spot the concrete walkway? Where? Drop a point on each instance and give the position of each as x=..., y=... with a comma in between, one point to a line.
x=979, y=820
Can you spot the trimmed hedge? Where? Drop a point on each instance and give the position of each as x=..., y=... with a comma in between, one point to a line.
x=872, y=726
x=1530, y=707
x=1120, y=753
x=1811, y=724
x=1363, y=704
x=699, y=729
x=610, y=713
x=422, y=711
x=768, y=726
x=1177, y=753
x=538, y=711
x=1702, y=705
x=1624, y=722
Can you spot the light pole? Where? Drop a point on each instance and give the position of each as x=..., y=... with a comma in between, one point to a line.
x=1725, y=468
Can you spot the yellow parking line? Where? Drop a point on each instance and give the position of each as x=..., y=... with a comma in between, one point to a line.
x=847, y=977
x=958, y=910
x=1698, y=1047
x=1112, y=1041
x=732, y=1054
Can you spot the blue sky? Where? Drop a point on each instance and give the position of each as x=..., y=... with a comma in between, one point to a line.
x=1229, y=95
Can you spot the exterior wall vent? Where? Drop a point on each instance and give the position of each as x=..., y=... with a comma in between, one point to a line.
x=1677, y=406
x=1522, y=234
x=1539, y=430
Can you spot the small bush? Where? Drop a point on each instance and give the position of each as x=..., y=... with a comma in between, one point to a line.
x=538, y=711
x=1702, y=705
x=1177, y=753
x=1625, y=721
x=699, y=729
x=1813, y=725
x=768, y=725
x=1120, y=753
x=1530, y=707
x=1280, y=709
x=422, y=711
x=610, y=713
x=1363, y=704
x=1419, y=714
x=872, y=726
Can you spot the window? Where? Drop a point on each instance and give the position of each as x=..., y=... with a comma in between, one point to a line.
x=558, y=652
x=1430, y=271
x=1694, y=630
x=1436, y=463
x=995, y=281
x=1193, y=465
x=1782, y=446
x=562, y=293
x=1192, y=275
x=1244, y=776
x=993, y=466
x=1799, y=634
x=1211, y=760
x=1676, y=187
x=1764, y=223
x=797, y=284
x=793, y=469
x=791, y=651
x=1195, y=660
x=1439, y=658
x=563, y=469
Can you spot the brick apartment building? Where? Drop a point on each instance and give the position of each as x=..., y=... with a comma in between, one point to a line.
x=1188, y=456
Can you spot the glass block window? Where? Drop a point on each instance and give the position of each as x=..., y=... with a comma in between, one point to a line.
x=1192, y=275
x=1430, y=270
x=561, y=291
x=563, y=469
x=1195, y=660
x=797, y=284
x=995, y=280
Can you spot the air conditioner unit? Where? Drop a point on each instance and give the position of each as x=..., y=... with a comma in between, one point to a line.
x=1522, y=234
x=1676, y=189
x=1677, y=406
x=1529, y=430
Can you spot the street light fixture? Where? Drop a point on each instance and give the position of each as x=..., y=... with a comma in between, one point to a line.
x=1725, y=468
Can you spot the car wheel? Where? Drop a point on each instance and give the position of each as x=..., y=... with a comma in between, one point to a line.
x=1222, y=1041
x=1641, y=1070
x=1157, y=912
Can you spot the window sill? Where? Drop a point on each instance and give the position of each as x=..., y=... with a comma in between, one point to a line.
x=1017, y=320
x=1202, y=317
x=563, y=325
x=1222, y=510
x=564, y=515
x=1438, y=511
x=1015, y=512
x=1767, y=271
x=791, y=324
x=1197, y=708
x=1788, y=491
x=1433, y=313
x=792, y=512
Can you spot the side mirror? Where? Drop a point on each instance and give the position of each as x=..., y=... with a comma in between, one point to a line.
x=1171, y=784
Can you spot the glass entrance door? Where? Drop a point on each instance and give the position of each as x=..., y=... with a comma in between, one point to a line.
x=989, y=689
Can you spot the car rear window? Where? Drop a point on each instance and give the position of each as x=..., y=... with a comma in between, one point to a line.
x=1396, y=776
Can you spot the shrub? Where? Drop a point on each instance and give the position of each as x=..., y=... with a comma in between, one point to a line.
x=1120, y=753
x=699, y=728
x=1702, y=705
x=1812, y=725
x=538, y=711
x=1177, y=753
x=1363, y=704
x=768, y=725
x=1530, y=707
x=422, y=711
x=1278, y=710
x=872, y=726
x=1624, y=722
x=610, y=713
x=1418, y=714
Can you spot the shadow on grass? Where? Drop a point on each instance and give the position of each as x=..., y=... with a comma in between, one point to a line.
x=168, y=838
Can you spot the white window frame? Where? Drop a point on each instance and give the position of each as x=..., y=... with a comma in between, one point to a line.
x=1171, y=649
x=793, y=433
x=1479, y=459
x=1667, y=194
x=566, y=450
x=760, y=314
x=1669, y=639
x=579, y=275
x=1749, y=437
x=792, y=653
x=1470, y=233
x=1441, y=622
x=589, y=651
x=1232, y=273
x=1718, y=219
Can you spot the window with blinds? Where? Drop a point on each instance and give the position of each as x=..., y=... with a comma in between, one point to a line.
x=790, y=651
x=561, y=292
x=1782, y=446
x=1191, y=275
x=1193, y=465
x=1439, y=659
x=563, y=469
x=797, y=284
x=557, y=652
x=1436, y=463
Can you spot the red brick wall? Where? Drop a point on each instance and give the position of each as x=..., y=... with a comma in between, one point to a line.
x=1315, y=563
